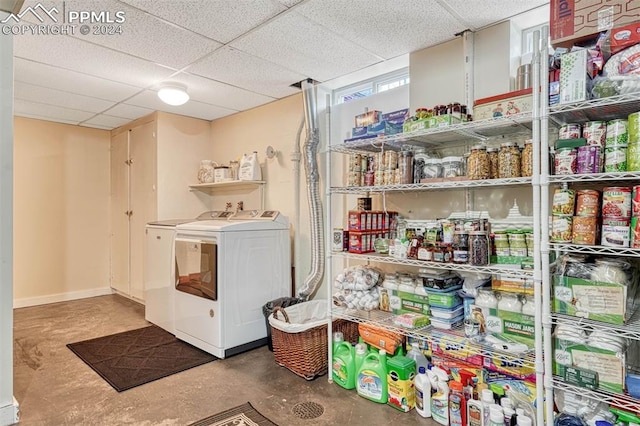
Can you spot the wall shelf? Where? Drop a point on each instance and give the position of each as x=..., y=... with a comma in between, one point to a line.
x=229, y=185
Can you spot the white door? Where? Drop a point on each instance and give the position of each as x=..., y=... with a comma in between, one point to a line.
x=119, y=207
x=158, y=277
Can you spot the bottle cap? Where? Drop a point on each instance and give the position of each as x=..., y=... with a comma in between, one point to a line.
x=422, y=370
x=506, y=403
x=496, y=417
x=524, y=420
x=487, y=396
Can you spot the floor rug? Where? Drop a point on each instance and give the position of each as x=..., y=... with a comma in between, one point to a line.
x=130, y=359
x=244, y=414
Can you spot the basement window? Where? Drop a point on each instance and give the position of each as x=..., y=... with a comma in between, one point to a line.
x=367, y=88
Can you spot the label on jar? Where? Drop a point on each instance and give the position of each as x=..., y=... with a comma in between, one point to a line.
x=570, y=131
x=595, y=132
x=587, y=202
x=616, y=201
x=584, y=230
x=615, y=233
x=635, y=232
x=461, y=256
x=424, y=254
x=438, y=255
x=615, y=158
x=561, y=227
x=588, y=160
x=565, y=161
x=563, y=201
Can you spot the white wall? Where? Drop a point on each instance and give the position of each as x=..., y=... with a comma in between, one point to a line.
x=61, y=212
x=7, y=412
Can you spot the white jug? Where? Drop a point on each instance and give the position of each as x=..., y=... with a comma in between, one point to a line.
x=250, y=167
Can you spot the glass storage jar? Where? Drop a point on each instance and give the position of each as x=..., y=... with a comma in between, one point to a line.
x=405, y=167
x=509, y=161
x=478, y=163
x=478, y=248
x=460, y=247
x=432, y=168
x=526, y=166
x=509, y=302
x=451, y=167
x=493, y=160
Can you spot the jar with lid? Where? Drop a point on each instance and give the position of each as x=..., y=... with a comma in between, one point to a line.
x=501, y=244
x=442, y=253
x=419, y=160
x=611, y=271
x=390, y=282
x=478, y=164
x=405, y=167
x=407, y=284
x=528, y=306
x=493, y=160
x=526, y=166
x=509, y=161
x=478, y=248
x=486, y=298
x=460, y=247
x=517, y=244
x=509, y=302
x=451, y=167
x=432, y=168
x=422, y=113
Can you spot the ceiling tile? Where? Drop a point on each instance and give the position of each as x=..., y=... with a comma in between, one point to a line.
x=49, y=112
x=487, y=12
x=220, y=20
x=27, y=71
x=129, y=112
x=41, y=117
x=252, y=73
x=221, y=94
x=77, y=55
x=45, y=95
x=386, y=30
x=304, y=46
x=145, y=36
x=149, y=99
x=105, y=121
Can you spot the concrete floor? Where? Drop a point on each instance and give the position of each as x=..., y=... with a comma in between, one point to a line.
x=54, y=387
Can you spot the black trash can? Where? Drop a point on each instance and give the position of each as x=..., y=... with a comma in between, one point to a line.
x=268, y=308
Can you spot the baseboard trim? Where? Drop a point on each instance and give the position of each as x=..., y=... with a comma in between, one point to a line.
x=61, y=297
x=10, y=414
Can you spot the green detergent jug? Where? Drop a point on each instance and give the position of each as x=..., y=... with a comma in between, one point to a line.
x=372, y=377
x=344, y=365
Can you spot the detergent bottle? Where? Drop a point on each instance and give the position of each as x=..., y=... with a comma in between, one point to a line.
x=401, y=372
x=344, y=365
x=361, y=351
x=372, y=377
x=487, y=401
x=475, y=413
x=440, y=399
x=457, y=405
x=250, y=167
x=416, y=354
x=423, y=393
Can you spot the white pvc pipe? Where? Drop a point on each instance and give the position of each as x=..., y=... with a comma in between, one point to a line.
x=329, y=265
x=537, y=274
x=546, y=278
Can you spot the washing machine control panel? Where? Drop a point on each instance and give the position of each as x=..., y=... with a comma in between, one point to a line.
x=255, y=215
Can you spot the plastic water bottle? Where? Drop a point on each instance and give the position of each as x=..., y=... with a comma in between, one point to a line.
x=417, y=355
x=423, y=393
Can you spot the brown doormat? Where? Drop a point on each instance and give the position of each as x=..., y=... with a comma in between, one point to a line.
x=133, y=358
x=244, y=414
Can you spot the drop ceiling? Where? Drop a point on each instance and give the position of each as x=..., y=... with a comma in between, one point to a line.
x=233, y=55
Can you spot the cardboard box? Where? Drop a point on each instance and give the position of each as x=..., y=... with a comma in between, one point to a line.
x=457, y=347
x=608, y=366
x=594, y=300
x=415, y=125
x=510, y=366
x=369, y=220
x=368, y=118
x=512, y=284
x=358, y=131
x=396, y=117
x=506, y=104
x=384, y=128
x=402, y=303
x=574, y=78
x=510, y=326
x=572, y=21
x=361, y=242
x=455, y=366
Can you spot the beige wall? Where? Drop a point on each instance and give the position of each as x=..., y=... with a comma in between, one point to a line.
x=61, y=205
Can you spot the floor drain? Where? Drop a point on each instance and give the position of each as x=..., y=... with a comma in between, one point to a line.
x=308, y=410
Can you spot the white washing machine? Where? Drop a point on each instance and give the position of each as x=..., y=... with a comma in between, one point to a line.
x=225, y=272
x=159, y=270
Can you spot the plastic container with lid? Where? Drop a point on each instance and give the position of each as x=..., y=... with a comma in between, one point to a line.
x=478, y=163
x=509, y=302
x=493, y=159
x=526, y=166
x=432, y=168
x=451, y=167
x=509, y=161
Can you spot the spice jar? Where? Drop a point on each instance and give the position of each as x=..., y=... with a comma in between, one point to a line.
x=526, y=167
x=478, y=164
x=405, y=167
x=493, y=160
x=478, y=248
x=461, y=247
x=508, y=161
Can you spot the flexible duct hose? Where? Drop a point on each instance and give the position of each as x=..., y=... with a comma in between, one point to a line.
x=314, y=279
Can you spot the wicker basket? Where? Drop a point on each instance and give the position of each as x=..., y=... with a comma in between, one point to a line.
x=305, y=352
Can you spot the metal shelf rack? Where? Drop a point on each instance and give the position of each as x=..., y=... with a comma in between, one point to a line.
x=595, y=177
x=604, y=250
x=430, y=186
x=630, y=330
x=625, y=402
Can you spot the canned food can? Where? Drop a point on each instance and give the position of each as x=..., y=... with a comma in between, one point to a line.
x=595, y=132
x=369, y=179
x=633, y=157
x=635, y=232
x=353, y=179
x=364, y=203
x=588, y=159
x=635, y=201
x=338, y=241
x=615, y=158
x=584, y=230
x=570, y=131
x=616, y=132
x=615, y=232
x=616, y=201
x=563, y=201
x=588, y=202
x=561, y=228
x=565, y=161
x=355, y=163
x=633, y=127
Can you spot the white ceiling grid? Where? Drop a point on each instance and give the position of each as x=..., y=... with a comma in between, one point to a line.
x=232, y=54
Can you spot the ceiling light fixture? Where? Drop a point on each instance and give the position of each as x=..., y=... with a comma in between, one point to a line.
x=173, y=93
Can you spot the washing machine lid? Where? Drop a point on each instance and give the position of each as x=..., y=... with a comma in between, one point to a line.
x=169, y=222
x=262, y=220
